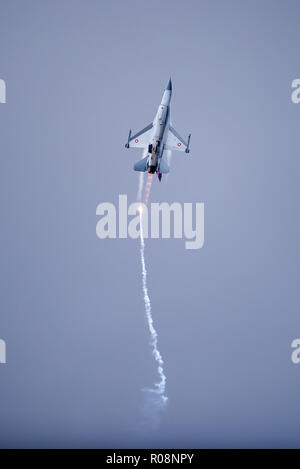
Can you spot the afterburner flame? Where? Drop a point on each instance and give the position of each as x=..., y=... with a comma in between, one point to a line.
x=148, y=188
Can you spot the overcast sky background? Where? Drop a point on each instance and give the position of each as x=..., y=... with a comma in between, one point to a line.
x=78, y=75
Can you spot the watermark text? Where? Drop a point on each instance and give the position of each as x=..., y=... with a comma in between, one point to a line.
x=2, y=91
x=295, y=357
x=2, y=351
x=158, y=220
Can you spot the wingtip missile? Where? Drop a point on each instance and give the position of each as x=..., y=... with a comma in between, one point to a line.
x=129, y=135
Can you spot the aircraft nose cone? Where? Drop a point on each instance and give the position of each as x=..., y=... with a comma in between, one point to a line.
x=169, y=85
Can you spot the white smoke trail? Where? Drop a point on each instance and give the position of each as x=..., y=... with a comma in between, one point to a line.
x=168, y=155
x=141, y=179
x=160, y=387
x=141, y=186
x=157, y=398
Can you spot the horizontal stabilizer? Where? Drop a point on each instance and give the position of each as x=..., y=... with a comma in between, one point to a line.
x=141, y=165
x=163, y=167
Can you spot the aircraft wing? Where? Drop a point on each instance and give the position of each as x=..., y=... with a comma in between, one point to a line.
x=141, y=139
x=175, y=142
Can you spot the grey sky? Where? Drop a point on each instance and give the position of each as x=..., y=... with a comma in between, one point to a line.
x=78, y=75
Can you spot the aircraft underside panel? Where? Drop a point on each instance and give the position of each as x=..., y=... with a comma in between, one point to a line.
x=141, y=165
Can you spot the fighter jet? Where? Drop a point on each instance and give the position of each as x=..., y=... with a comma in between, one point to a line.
x=158, y=137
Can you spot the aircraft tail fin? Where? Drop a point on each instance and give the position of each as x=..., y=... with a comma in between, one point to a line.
x=141, y=165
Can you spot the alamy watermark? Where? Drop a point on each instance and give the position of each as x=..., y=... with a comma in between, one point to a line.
x=295, y=95
x=2, y=351
x=295, y=356
x=2, y=101
x=2, y=91
x=156, y=220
